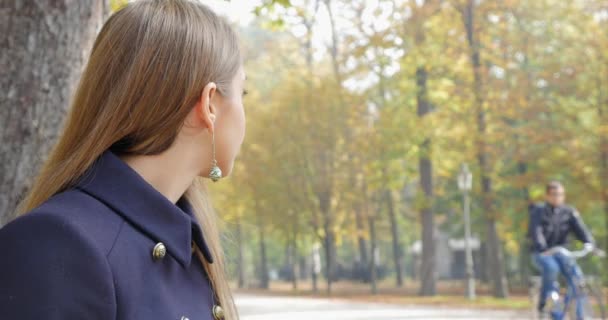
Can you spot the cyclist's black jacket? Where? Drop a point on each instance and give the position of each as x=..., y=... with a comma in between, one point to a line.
x=550, y=226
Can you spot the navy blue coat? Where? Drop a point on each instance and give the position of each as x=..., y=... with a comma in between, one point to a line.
x=550, y=227
x=87, y=253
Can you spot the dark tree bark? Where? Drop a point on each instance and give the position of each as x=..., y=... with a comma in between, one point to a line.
x=264, y=281
x=333, y=50
x=44, y=45
x=362, y=243
x=496, y=258
x=240, y=258
x=524, y=255
x=428, y=264
x=329, y=239
x=522, y=164
x=395, y=238
x=330, y=234
x=291, y=254
x=390, y=205
x=428, y=268
x=329, y=243
x=322, y=185
x=372, y=264
x=602, y=111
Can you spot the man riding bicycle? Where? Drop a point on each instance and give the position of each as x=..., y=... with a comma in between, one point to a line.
x=550, y=224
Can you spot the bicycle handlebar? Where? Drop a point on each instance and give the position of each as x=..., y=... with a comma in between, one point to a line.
x=574, y=254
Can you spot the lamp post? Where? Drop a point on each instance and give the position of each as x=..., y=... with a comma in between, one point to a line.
x=465, y=183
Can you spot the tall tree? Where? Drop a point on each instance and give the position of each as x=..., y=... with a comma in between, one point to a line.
x=494, y=246
x=428, y=273
x=428, y=267
x=44, y=46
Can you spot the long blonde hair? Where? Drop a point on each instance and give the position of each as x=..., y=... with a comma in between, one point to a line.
x=149, y=65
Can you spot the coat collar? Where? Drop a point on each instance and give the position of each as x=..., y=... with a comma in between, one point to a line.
x=115, y=183
x=558, y=212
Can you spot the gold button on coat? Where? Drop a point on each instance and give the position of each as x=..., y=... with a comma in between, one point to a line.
x=218, y=312
x=159, y=251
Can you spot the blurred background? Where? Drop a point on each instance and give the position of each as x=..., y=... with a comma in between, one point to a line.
x=375, y=128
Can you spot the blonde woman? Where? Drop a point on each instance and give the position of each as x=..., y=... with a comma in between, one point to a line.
x=117, y=223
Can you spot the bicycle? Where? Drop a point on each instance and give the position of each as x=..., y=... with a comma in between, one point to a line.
x=587, y=293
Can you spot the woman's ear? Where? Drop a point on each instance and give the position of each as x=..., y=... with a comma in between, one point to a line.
x=207, y=110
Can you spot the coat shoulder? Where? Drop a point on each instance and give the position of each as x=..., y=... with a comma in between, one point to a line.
x=570, y=209
x=71, y=213
x=536, y=208
x=53, y=256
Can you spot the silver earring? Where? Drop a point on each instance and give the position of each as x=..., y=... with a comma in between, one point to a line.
x=216, y=173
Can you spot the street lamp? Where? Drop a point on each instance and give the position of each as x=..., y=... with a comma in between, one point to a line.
x=465, y=183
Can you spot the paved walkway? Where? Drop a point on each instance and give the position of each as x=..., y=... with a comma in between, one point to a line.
x=273, y=308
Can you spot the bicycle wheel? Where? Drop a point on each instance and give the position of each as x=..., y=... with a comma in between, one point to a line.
x=534, y=285
x=596, y=301
x=592, y=302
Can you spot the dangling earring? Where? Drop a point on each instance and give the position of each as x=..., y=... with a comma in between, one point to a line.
x=216, y=173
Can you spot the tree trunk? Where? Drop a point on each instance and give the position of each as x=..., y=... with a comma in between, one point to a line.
x=333, y=49
x=330, y=234
x=315, y=256
x=308, y=49
x=524, y=255
x=428, y=272
x=44, y=45
x=603, y=155
x=293, y=263
x=264, y=281
x=373, y=262
x=315, y=286
x=362, y=243
x=329, y=256
x=329, y=238
x=485, y=271
x=497, y=265
x=240, y=258
x=395, y=235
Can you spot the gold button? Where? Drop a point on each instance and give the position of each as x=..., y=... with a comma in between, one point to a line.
x=218, y=312
x=159, y=251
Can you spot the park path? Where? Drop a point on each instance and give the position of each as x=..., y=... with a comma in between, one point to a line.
x=254, y=307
